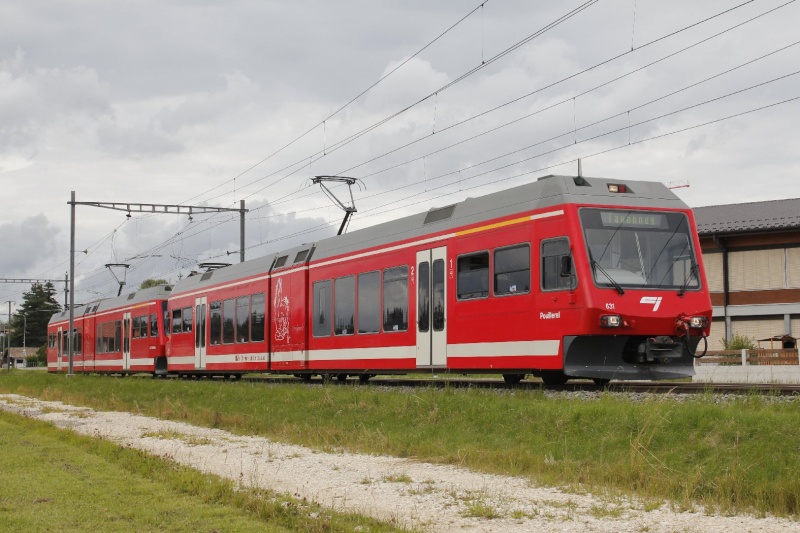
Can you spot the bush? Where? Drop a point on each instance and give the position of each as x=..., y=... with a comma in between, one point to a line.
x=32, y=361
x=41, y=356
x=740, y=342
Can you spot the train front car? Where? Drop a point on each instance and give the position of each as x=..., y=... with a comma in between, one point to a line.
x=638, y=266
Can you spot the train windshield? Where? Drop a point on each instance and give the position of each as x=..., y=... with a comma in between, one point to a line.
x=640, y=249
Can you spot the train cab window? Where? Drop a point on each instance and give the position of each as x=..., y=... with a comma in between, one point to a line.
x=153, y=325
x=228, y=321
x=243, y=319
x=512, y=270
x=395, y=299
x=177, y=321
x=215, y=325
x=344, y=309
x=257, y=317
x=473, y=276
x=322, y=309
x=165, y=315
x=369, y=302
x=554, y=252
x=187, y=319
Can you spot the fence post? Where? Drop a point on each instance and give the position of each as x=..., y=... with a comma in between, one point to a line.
x=744, y=356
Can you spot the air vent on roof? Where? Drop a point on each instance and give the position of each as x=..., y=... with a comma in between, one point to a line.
x=301, y=256
x=206, y=276
x=437, y=215
x=131, y=296
x=281, y=261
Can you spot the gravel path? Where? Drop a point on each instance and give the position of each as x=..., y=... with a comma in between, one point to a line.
x=412, y=494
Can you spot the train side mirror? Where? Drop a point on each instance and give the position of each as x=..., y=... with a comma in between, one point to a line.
x=566, y=266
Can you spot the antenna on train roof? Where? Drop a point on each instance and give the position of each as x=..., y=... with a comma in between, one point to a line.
x=348, y=210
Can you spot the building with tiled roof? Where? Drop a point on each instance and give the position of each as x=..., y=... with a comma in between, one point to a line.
x=751, y=253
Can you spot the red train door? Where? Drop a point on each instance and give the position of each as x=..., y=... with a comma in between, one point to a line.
x=200, y=332
x=431, y=307
x=126, y=341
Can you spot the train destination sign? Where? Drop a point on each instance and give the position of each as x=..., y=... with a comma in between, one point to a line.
x=629, y=219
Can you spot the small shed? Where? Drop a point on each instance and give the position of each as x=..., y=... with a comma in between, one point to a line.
x=784, y=342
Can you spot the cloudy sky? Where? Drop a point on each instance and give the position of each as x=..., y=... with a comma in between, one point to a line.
x=211, y=102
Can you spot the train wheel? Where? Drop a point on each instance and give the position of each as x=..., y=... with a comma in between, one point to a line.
x=554, y=378
x=363, y=378
x=341, y=377
x=237, y=376
x=513, y=379
x=304, y=377
x=601, y=382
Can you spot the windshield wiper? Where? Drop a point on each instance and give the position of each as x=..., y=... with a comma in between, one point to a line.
x=691, y=274
x=596, y=266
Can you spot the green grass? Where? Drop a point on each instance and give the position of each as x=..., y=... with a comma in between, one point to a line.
x=54, y=480
x=731, y=457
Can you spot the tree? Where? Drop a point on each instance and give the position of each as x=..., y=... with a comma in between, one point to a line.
x=31, y=319
x=146, y=284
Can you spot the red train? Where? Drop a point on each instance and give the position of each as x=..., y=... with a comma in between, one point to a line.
x=564, y=277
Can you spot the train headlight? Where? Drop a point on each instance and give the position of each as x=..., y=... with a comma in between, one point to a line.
x=698, y=322
x=610, y=321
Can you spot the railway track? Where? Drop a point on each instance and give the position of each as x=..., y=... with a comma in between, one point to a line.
x=655, y=387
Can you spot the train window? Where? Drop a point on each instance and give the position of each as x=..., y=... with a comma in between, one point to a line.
x=143, y=326
x=424, y=296
x=228, y=321
x=77, y=341
x=177, y=322
x=344, y=308
x=215, y=327
x=117, y=336
x=512, y=270
x=473, y=276
x=165, y=314
x=552, y=253
x=135, y=329
x=281, y=261
x=153, y=325
x=98, y=339
x=257, y=317
x=322, y=308
x=395, y=299
x=438, y=295
x=369, y=302
x=187, y=319
x=301, y=256
x=243, y=319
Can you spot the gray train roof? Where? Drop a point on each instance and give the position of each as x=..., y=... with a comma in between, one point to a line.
x=249, y=268
x=159, y=292
x=546, y=192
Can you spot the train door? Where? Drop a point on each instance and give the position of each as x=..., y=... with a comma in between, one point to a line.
x=200, y=332
x=431, y=307
x=126, y=341
x=60, y=347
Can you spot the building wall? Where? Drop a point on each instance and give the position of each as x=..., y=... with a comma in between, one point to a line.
x=764, y=286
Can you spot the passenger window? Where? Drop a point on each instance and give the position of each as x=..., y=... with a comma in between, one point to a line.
x=153, y=325
x=512, y=270
x=187, y=319
x=322, y=309
x=344, y=310
x=369, y=302
x=473, y=276
x=228, y=321
x=395, y=299
x=553, y=253
x=257, y=322
x=215, y=324
x=243, y=319
x=177, y=321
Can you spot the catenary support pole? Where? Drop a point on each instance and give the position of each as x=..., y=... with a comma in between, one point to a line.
x=71, y=332
x=242, y=211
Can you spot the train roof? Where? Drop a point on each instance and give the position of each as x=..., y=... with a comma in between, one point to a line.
x=249, y=268
x=548, y=191
x=159, y=292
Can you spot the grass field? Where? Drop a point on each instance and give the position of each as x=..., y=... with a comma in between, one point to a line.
x=54, y=480
x=738, y=456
